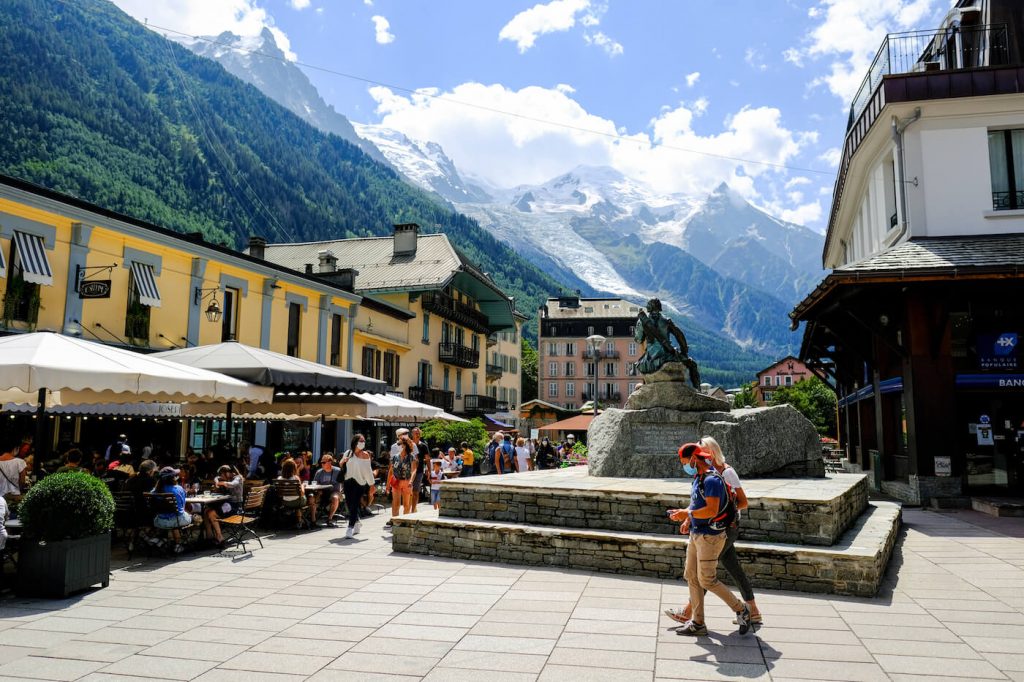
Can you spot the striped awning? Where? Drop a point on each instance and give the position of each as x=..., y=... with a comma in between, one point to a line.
x=3, y=264
x=145, y=284
x=35, y=266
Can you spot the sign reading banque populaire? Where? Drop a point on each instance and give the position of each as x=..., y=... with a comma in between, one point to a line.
x=998, y=351
x=990, y=380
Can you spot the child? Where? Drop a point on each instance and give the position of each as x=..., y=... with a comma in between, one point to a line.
x=435, y=483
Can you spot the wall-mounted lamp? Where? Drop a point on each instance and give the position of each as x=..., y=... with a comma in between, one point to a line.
x=213, y=310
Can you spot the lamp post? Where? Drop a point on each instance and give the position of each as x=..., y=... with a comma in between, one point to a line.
x=595, y=341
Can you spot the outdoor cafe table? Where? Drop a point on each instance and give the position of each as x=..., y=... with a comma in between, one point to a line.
x=206, y=499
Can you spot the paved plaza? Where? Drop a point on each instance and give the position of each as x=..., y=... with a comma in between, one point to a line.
x=316, y=606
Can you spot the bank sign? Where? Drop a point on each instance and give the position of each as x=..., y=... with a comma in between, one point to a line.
x=990, y=380
x=998, y=351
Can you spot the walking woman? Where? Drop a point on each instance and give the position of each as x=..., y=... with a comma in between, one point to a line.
x=728, y=558
x=358, y=468
x=400, y=475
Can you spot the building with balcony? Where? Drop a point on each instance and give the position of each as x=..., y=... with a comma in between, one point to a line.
x=570, y=373
x=76, y=268
x=786, y=372
x=426, y=316
x=919, y=322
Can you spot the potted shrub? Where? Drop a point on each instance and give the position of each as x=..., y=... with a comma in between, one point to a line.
x=66, y=520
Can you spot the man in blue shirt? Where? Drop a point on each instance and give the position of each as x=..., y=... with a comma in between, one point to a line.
x=706, y=520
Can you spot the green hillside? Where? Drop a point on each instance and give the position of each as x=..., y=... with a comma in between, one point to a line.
x=96, y=106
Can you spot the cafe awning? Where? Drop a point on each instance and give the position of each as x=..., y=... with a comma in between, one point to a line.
x=145, y=284
x=35, y=266
x=267, y=368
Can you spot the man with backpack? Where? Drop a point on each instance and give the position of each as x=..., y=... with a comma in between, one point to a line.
x=507, y=453
x=712, y=510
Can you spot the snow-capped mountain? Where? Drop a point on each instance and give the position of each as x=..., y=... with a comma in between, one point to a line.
x=260, y=62
x=728, y=265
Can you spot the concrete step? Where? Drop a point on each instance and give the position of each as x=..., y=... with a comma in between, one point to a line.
x=998, y=506
x=799, y=511
x=854, y=566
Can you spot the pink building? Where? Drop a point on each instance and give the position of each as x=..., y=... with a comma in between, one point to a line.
x=785, y=372
x=568, y=373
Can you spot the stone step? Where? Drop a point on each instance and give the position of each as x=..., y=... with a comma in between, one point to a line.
x=799, y=511
x=998, y=506
x=854, y=566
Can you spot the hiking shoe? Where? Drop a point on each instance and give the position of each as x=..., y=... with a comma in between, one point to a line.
x=693, y=629
x=743, y=619
x=677, y=615
x=755, y=619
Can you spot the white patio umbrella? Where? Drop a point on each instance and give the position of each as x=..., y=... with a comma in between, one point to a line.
x=68, y=370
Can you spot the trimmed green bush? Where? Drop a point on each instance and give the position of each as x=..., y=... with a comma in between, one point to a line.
x=67, y=506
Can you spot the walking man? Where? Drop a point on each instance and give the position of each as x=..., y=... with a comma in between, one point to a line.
x=710, y=513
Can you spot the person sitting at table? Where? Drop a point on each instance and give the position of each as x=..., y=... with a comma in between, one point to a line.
x=227, y=482
x=450, y=465
x=327, y=475
x=72, y=461
x=168, y=483
x=290, y=472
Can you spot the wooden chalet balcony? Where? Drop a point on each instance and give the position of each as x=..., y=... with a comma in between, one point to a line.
x=432, y=396
x=459, y=355
x=456, y=311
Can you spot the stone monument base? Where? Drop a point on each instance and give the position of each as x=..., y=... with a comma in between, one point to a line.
x=642, y=440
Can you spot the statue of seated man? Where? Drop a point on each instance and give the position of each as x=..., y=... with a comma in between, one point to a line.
x=657, y=332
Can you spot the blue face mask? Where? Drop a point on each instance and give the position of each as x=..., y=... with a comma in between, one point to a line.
x=689, y=469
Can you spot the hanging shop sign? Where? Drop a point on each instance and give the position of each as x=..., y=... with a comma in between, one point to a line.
x=998, y=351
x=94, y=288
x=943, y=466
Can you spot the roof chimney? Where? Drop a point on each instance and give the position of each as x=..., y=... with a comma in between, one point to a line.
x=328, y=261
x=309, y=269
x=257, y=247
x=406, y=236
x=346, y=278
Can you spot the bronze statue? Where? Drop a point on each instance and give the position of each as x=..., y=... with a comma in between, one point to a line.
x=657, y=331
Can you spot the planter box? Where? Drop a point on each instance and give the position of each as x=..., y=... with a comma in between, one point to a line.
x=58, y=568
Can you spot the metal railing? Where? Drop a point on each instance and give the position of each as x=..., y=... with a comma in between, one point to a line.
x=456, y=311
x=459, y=355
x=1007, y=201
x=475, y=404
x=948, y=49
x=432, y=396
x=494, y=370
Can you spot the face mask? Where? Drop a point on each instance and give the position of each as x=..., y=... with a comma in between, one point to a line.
x=689, y=469
x=360, y=446
x=545, y=442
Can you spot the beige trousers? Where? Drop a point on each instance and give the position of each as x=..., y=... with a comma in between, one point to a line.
x=702, y=573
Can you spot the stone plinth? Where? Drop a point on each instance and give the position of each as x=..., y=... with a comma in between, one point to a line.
x=759, y=441
x=797, y=511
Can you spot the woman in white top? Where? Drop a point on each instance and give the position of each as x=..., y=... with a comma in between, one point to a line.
x=728, y=558
x=523, y=462
x=358, y=468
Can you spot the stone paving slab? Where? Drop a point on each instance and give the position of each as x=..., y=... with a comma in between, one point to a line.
x=405, y=619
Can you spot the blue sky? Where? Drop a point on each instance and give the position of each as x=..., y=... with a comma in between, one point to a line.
x=754, y=80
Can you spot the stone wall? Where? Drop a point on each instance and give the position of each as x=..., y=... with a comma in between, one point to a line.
x=855, y=568
x=819, y=522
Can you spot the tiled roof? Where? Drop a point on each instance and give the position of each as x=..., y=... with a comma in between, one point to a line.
x=434, y=263
x=944, y=253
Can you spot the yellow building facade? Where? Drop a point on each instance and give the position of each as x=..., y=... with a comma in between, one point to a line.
x=78, y=269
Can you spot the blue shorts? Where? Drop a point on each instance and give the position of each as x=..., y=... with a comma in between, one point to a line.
x=435, y=496
x=168, y=523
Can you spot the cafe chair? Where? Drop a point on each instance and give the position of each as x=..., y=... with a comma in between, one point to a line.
x=283, y=489
x=128, y=520
x=164, y=503
x=237, y=526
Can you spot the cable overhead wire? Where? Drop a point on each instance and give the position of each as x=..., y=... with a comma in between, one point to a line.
x=221, y=153
x=482, y=107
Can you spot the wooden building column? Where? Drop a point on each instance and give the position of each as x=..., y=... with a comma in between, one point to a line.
x=928, y=384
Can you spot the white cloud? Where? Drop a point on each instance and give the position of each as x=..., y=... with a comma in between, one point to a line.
x=802, y=214
x=611, y=48
x=700, y=105
x=299, y=4
x=797, y=181
x=793, y=56
x=755, y=59
x=203, y=18
x=559, y=16
x=556, y=16
x=850, y=32
x=692, y=78
x=670, y=155
x=831, y=156
x=382, y=26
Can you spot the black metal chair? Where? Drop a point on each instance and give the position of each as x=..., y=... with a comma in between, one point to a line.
x=237, y=526
x=165, y=503
x=288, y=493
